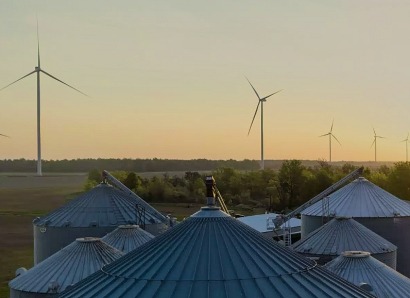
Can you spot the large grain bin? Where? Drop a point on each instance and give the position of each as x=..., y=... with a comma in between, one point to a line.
x=94, y=213
x=363, y=270
x=211, y=254
x=64, y=268
x=373, y=207
x=127, y=238
x=345, y=234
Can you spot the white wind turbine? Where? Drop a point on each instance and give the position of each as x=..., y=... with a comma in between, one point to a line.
x=375, y=143
x=331, y=135
x=407, y=141
x=38, y=70
x=260, y=102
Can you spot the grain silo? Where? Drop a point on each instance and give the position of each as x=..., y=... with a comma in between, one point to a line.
x=211, y=254
x=94, y=213
x=345, y=234
x=363, y=270
x=127, y=237
x=64, y=268
x=371, y=206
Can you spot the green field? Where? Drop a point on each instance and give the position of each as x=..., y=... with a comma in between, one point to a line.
x=24, y=197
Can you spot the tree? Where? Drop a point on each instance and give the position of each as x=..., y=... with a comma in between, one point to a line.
x=291, y=181
x=131, y=181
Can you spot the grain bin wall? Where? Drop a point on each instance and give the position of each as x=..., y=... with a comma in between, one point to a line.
x=373, y=207
x=92, y=214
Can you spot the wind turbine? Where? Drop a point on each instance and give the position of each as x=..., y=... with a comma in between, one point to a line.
x=407, y=141
x=330, y=134
x=260, y=102
x=375, y=144
x=39, y=70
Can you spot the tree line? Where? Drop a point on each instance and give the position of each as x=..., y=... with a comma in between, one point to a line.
x=126, y=164
x=276, y=190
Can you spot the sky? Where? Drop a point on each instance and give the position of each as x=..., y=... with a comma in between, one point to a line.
x=166, y=79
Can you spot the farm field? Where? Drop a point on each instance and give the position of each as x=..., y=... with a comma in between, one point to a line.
x=24, y=197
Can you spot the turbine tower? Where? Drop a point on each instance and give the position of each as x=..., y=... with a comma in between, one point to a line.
x=331, y=135
x=375, y=144
x=39, y=70
x=260, y=102
x=407, y=152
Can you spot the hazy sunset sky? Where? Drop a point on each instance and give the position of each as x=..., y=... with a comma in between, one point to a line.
x=166, y=78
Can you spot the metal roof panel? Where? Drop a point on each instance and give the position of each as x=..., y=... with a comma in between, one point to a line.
x=127, y=238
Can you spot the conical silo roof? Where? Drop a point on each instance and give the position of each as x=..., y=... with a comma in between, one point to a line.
x=127, y=237
x=211, y=254
x=361, y=198
x=360, y=268
x=342, y=234
x=66, y=267
x=102, y=206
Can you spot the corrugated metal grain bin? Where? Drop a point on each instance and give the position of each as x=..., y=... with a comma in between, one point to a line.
x=94, y=213
x=127, y=238
x=211, y=254
x=373, y=207
x=345, y=234
x=360, y=268
x=64, y=268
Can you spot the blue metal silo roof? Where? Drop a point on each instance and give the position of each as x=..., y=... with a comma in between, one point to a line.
x=66, y=267
x=102, y=206
x=342, y=234
x=127, y=237
x=211, y=254
x=359, y=267
x=361, y=198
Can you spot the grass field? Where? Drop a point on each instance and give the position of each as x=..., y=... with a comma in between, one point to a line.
x=24, y=197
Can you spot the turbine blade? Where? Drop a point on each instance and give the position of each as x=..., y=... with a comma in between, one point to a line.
x=374, y=141
x=253, y=88
x=374, y=131
x=256, y=111
x=271, y=94
x=38, y=45
x=331, y=127
x=4, y=135
x=18, y=80
x=53, y=77
x=326, y=134
x=336, y=139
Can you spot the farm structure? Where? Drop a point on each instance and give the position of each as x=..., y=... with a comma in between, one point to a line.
x=371, y=206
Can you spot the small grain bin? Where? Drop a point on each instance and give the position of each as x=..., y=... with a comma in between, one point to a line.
x=211, y=254
x=94, y=213
x=345, y=234
x=64, y=268
x=363, y=270
x=127, y=238
x=373, y=207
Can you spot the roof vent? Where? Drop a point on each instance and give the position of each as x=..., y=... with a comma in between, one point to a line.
x=395, y=213
x=21, y=271
x=307, y=248
x=210, y=193
x=47, y=222
x=93, y=223
x=366, y=287
x=66, y=223
x=53, y=286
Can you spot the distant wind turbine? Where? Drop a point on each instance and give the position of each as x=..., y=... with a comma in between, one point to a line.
x=407, y=141
x=260, y=102
x=38, y=70
x=330, y=134
x=375, y=143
